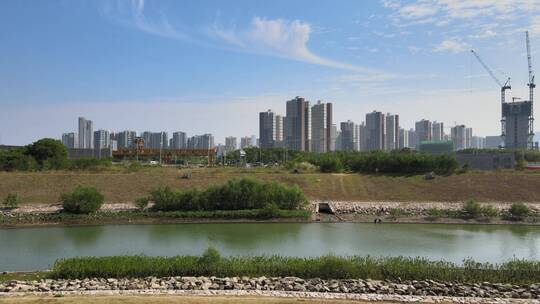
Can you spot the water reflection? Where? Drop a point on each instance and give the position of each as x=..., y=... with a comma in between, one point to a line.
x=37, y=248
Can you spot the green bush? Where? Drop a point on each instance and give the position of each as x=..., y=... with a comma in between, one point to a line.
x=519, y=210
x=141, y=203
x=329, y=163
x=270, y=211
x=11, y=201
x=325, y=267
x=236, y=194
x=82, y=200
x=473, y=209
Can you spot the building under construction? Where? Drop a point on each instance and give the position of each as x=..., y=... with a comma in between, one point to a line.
x=517, y=118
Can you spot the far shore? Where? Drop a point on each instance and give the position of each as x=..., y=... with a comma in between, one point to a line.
x=342, y=212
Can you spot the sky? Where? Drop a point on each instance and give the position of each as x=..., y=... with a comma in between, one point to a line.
x=211, y=66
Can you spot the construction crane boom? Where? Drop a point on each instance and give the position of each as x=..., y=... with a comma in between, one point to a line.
x=531, y=86
x=529, y=61
x=504, y=87
x=490, y=72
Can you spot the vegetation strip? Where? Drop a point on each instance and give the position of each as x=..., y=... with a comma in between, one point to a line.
x=326, y=267
x=120, y=216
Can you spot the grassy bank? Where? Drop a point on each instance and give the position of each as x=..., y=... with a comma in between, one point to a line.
x=326, y=267
x=140, y=216
x=122, y=186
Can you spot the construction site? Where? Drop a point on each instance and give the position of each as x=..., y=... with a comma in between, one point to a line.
x=517, y=115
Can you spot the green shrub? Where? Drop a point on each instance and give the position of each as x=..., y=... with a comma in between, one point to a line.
x=270, y=211
x=489, y=211
x=210, y=257
x=11, y=201
x=236, y=194
x=211, y=263
x=82, y=200
x=142, y=203
x=519, y=210
x=472, y=209
x=329, y=163
x=436, y=212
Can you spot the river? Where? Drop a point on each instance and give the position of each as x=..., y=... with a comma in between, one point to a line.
x=37, y=248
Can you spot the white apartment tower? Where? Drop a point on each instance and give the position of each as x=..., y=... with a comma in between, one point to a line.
x=392, y=132
x=321, y=127
x=86, y=134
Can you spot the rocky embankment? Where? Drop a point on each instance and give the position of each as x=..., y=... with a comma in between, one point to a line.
x=287, y=284
x=407, y=208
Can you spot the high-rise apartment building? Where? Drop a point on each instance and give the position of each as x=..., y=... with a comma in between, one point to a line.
x=70, y=140
x=86, y=133
x=279, y=130
x=468, y=138
x=245, y=142
x=392, y=132
x=348, y=136
x=413, y=139
x=205, y=141
x=458, y=135
x=375, y=131
x=423, y=129
x=102, y=140
x=268, y=129
x=297, y=124
x=230, y=144
x=362, y=137
x=437, y=130
x=321, y=127
x=403, y=138
x=126, y=139
x=158, y=140
x=179, y=140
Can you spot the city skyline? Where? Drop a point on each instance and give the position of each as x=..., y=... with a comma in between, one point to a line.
x=410, y=58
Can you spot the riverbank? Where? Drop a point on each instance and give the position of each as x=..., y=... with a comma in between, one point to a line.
x=367, y=290
x=316, y=211
x=120, y=187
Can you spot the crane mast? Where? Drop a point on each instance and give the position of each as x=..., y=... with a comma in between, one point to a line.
x=504, y=87
x=531, y=86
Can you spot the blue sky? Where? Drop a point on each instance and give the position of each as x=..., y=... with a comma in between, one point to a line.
x=211, y=66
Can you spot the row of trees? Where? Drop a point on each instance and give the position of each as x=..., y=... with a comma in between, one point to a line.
x=46, y=154
x=43, y=154
x=394, y=162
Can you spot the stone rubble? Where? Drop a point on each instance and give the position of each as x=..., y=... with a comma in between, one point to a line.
x=408, y=208
x=286, y=284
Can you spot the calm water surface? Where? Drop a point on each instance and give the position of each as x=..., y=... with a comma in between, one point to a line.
x=38, y=248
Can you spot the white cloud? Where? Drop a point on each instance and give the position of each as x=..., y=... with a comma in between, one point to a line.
x=271, y=37
x=416, y=11
x=443, y=12
x=534, y=27
x=280, y=38
x=451, y=46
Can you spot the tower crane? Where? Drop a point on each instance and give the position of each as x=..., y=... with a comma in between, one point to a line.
x=531, y=86
x=504, y=87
